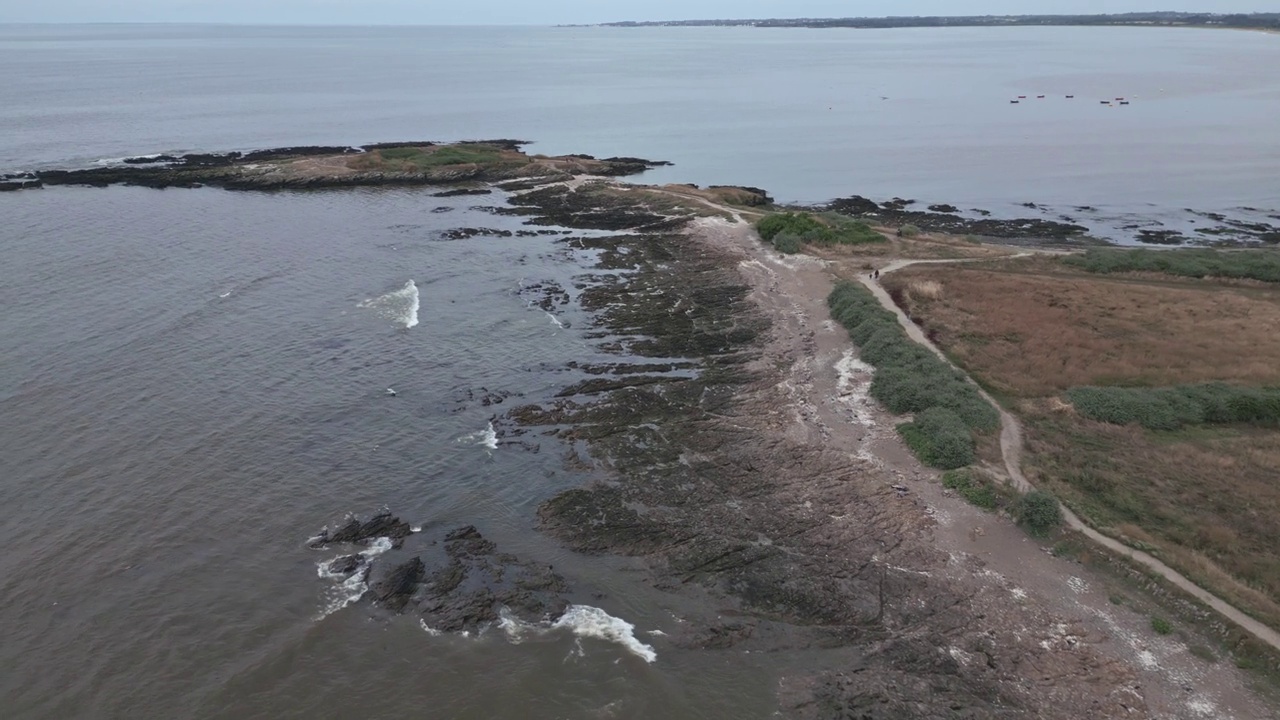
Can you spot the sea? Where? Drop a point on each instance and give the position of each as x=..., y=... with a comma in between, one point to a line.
x=194, y=381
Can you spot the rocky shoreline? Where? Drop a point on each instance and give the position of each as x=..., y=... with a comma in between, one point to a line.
x=472, y=166
x=317, y=167
x=715, y=483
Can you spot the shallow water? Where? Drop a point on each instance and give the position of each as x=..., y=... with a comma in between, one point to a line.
x=195, y=380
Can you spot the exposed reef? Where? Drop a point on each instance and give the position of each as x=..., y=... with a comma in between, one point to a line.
x=467, y=586
x=414, y=163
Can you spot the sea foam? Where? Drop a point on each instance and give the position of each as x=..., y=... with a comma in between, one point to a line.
x=487, y=437
x=349, y=588
x=400, y=307
x=583, y=621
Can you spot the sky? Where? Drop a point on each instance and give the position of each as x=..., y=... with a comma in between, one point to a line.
x=552, y=12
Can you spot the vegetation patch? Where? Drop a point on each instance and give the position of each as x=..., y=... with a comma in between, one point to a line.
x=1172, y=408
x=939, y=438
x=1038, y=512
x=971, y=486
x=420, y=158
x=794, y=229
x=910, y=379
x=1261, y=265
x=1161, y=626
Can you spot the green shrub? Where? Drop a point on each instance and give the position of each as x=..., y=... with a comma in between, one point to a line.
x=1195, y=262
x=793, y=223
x=823, y=229
x=1038, y=511
x=785, y=242
x=1161, y=626
x=939, y=438
x=908, y=231
x=1171, y=408
x=911, y=379
x=972, y=488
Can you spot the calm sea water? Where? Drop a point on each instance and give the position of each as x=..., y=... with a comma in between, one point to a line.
x=193, y=380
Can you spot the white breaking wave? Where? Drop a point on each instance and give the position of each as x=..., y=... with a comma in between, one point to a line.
x=487, y=437
x=400, y=307
x=555, y=320
x=349, y=588
x=583, y=621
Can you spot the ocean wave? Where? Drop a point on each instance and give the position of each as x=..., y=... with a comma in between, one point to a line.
x=584, y=621
x=401, y=307
x=349, y=587
x=487, y=437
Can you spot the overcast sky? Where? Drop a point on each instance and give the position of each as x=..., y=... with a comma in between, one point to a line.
x=550, y=12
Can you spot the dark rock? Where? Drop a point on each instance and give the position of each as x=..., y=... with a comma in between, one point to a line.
x=893, y=213
x=459, y=192
x=464, y=233
x=151, y=160
x=346, y=564
x=944, y=208
x=854, y=205
x=396, y=588
x=383, y=524
x=1161, y=237
x=443, y=209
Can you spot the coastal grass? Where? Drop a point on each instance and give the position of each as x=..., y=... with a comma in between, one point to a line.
x=908, y=378
x=1263, y=265
x=1172, y=408
x=975, y=487
x=1149, y=403
x=421, y=158
x=789, y=231
x=1033, y=327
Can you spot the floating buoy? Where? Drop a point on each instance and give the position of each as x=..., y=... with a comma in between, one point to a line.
x=1124, y=102
x=1013, y=102
x=1105, y=102
x=1039, y=97
x=1071, y=97
x=1022, y=97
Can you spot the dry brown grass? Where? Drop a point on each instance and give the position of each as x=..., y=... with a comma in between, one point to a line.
x=1205, y=499
x=925, y=290
x=1030, y=335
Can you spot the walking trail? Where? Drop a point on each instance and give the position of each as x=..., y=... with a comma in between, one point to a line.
x=1011, y=449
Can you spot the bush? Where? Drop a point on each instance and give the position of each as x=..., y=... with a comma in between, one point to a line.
x=908, y=231
x=1161, y=626
x=1038, y=511
x=792, y=223
x=939, y=438
x=786, y=243
x=823, y=229
x=972, y=488
x=911, y=379
x=1174, y=407
x=1261, y=265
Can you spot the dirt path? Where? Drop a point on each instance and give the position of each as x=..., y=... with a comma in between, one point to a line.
x=1011, y=448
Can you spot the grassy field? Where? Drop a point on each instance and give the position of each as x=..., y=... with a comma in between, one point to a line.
x=417, y=159
x=1145, y=398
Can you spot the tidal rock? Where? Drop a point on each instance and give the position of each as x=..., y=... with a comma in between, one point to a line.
x=394, y=589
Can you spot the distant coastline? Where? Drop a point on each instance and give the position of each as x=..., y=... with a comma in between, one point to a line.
x=1268, y=22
